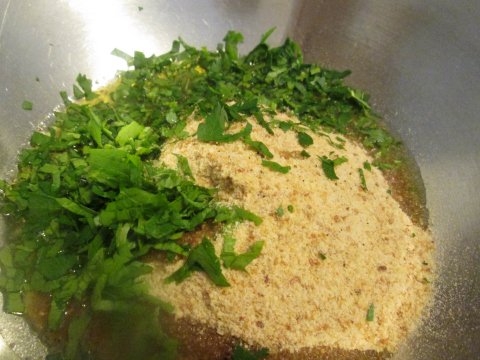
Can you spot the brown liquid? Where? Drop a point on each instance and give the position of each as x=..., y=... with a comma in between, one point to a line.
x=121, y=337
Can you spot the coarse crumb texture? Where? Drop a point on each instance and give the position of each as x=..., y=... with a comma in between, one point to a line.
x=341, y=249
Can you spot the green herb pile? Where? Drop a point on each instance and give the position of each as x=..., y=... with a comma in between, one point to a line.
x=88, y=201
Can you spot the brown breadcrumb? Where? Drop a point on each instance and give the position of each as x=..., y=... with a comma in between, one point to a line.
x=291, y=299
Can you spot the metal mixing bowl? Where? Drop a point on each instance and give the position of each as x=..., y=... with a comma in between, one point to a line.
x=420, y=61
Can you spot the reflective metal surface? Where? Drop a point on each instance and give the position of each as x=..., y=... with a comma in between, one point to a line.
x=420, y=61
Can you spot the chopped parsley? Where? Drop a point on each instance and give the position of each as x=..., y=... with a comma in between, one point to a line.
x=279, y=212
x=274, y=166
x=370, y=313
x=84, y=88
x=367, y=166
x=27, y=105
x=201, y=257
x=304, y=139
x=290, y=208
x=213, y=129
x=305, y=154
x=184, y=166
x=363, y=182
x=92, y=201
x=239, y=262
x=322, y=256
x=328, y=166
x=241, y=353
x=258, y=146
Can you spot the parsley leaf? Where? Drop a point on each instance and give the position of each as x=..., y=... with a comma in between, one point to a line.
x=86, y=86
x=213, y=129
x=201, y=257
x=238, y=262
x=184, y=166
x=232, y=39
x=279, y=212
x=235, y=214
x=76, y=330
x=27, y=105
x=371, y=313
x=129, y=132
x=367, y=166
x=274, y=166
x=328, y=166
x=305, y=154
x=304, y=139
x=122, y=55
x=363, y=182
x=258, y=146
x=13, y=303
x=241, y=353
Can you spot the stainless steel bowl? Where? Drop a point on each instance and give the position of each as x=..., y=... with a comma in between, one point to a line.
x=420, y=61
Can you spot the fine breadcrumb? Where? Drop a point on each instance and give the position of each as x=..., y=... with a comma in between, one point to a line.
x=342, y=249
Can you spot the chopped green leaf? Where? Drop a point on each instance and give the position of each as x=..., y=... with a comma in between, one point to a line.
x=76, y=329
x=13, y=303
x=241, y=353
x=171, y=117
x=274, y=166
x=235, y=214
x=232, y=39
x=363, y=182
x=122, y=55
x=202, y=257
x=328, y=166
x=258, y=146
x=285, y=125
x=56, y=314
x=172, y=247
x=27, y=105
x=184, y=166
x=322, y=256
x=304, y=139
x=371, y=312
x=279, y=212
x=290, y=208
x=75, y=208
x=129, y=132
x=86, y=86
x=265, y=36
x=213, y=128
x=56, y=266
x=339, y=160
x=305, y=154
x=64, y=96
x=367, y=166
x=239, y=262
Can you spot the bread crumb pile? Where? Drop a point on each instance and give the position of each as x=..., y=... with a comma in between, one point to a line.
x=339, y=251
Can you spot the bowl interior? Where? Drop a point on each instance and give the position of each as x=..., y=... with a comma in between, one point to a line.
x=419, y=60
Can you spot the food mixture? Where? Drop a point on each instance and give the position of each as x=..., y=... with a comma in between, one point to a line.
x=224, y=207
